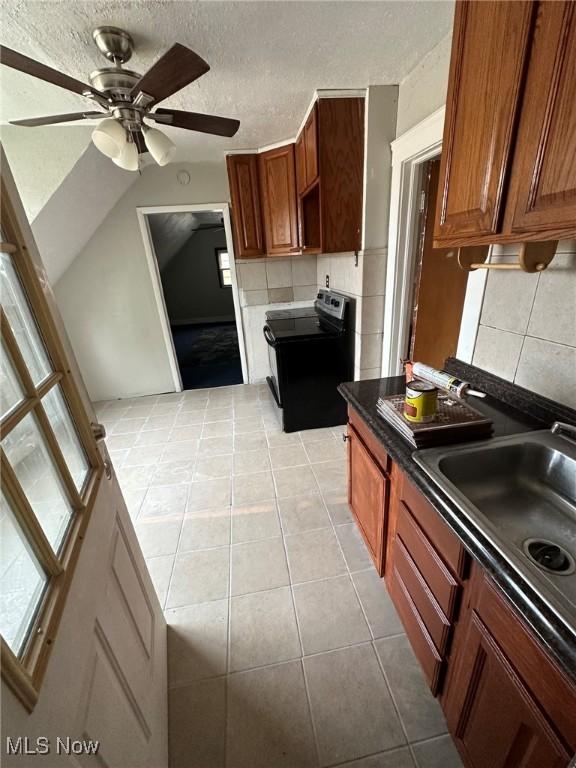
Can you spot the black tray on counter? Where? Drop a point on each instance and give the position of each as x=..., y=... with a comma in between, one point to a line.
x=455, y=422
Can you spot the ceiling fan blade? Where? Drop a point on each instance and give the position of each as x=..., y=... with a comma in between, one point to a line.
x=195, y=121
x=178, y=67
x=31, y=122
x=22, y=63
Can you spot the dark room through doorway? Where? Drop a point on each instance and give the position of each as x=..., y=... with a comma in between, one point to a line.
x=193, y=263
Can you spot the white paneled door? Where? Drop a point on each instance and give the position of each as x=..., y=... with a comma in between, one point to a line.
x=82, y=632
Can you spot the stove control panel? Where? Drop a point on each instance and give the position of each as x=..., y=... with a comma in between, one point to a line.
x=331, y=303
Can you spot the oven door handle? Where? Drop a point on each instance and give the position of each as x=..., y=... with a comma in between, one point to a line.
x=268, y=336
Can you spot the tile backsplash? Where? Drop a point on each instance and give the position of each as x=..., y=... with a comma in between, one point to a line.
x=527, y=331
x=277, y=280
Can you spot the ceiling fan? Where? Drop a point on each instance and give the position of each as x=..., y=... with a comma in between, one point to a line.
x=126, y=98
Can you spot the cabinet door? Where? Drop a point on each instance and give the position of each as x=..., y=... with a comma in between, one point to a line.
x=311, y=147
x=278, y=183
x=492, y=716
x=246, y=211
x=489, y=49
x=543, y=189
x=368, y=496
x=300, y=151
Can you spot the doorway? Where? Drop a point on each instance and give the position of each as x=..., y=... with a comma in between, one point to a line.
x=439, y=287
x=410, y=155
x=195, y=277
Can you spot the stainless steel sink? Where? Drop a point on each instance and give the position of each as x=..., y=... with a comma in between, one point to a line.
x=521, y=492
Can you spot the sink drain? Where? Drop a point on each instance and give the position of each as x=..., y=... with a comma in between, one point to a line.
x=549, y=556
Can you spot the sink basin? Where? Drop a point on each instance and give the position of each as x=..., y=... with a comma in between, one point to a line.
x=521, y=492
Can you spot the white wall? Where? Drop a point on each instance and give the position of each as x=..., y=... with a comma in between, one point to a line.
x=527, y=330
x=106, y=297
x=423, y=91
x=191, y=281
x=40, y=158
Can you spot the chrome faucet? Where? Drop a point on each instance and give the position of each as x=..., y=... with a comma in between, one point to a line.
x=564, y=430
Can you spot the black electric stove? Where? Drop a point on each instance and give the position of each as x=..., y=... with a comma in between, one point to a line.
x=311, y=351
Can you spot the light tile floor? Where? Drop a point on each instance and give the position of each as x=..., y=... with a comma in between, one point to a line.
x=285, y=650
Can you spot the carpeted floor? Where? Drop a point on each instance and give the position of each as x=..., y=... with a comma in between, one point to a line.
x=208, y=354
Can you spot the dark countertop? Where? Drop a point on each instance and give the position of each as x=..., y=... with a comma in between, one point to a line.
x=544, y=621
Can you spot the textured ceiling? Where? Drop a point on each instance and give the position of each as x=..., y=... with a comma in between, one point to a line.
x=266, y=58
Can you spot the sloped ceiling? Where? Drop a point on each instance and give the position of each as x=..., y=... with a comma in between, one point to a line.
x=266, y=58
x=40, y=159
x=169, y=231
x=77, y=208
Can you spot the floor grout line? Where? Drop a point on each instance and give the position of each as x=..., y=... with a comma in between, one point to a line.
x=299, y=631
x=394, y=703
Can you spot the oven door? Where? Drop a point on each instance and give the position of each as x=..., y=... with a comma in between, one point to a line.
x=273, y=380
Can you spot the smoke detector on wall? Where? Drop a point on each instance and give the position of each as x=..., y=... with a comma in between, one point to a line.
x=126, y=98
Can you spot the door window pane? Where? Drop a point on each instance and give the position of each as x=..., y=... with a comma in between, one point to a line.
x=22, y=581
x=27, y=453
x=65, y=431
x=22, y=322
x=11, y=392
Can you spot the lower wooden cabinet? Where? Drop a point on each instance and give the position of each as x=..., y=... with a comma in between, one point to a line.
x=492, y=715
x=507, y=703
x=503, y=684
x=368, y=495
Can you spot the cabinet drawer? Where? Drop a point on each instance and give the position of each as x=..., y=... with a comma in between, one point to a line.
x=443, y=539
x=420, y=640
x=430, y=612
x=370, y=441
x=440, y=581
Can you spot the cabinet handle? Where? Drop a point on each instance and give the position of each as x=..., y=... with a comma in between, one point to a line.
x=345, y=437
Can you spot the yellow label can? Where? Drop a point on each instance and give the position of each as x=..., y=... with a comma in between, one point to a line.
x=421, y=401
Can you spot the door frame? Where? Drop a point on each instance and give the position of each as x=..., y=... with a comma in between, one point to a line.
x=409, y=152
x=153, y=269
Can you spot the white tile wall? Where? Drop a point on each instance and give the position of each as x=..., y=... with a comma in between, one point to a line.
x=498, y=351
x=258, y=278
x=279, y=273
x=527, y=331
x=549, y=369
x=304, y=271
x=305, y=292
x=252, y=276
x=365, y=282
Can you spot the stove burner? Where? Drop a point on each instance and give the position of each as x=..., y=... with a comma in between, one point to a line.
x=549, y=556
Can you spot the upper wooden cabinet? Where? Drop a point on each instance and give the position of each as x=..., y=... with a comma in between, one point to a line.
x=305, y=196
x=246, y=212
x=307, y=152
x=543, y=186
x=300, y=156
x=508, y=167
x=332, y=155
x=279, y=206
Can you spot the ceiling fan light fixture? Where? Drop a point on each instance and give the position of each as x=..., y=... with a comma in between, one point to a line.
x=109, y=137
x=128, y=157
x=159, y=145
